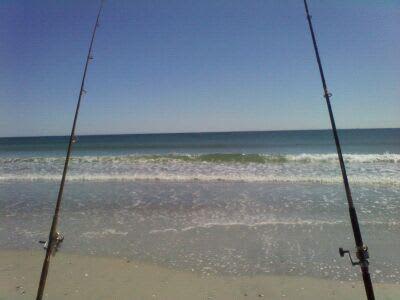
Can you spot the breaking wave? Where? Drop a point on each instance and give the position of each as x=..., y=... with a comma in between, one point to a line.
x=370, y=169
x=362, y=180
x=216, y=158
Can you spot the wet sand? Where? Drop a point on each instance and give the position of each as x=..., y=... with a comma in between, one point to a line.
x=93, y=277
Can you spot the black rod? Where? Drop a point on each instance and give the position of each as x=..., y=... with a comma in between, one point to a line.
x=361, y=249
x=54, y=235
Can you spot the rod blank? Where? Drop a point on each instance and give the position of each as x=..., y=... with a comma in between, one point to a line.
x=54, y=236
x=361, y=249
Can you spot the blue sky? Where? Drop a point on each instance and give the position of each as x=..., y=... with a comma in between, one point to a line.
x=179, y=66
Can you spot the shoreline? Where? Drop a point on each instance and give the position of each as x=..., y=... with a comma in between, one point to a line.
x=74, y=276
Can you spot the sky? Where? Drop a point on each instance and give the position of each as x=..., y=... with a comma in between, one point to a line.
x=197, y=66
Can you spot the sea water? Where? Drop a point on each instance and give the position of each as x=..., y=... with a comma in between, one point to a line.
x=237, y=203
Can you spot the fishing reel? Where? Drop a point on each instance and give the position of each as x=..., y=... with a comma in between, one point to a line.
x=361, y=253
x=56, y=244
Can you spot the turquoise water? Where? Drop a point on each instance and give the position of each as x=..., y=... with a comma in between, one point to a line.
x=229, y=203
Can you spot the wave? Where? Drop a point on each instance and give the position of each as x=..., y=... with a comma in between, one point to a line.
x=299, y=222
x=223, y=158
x=361, y=180
x=105, y=232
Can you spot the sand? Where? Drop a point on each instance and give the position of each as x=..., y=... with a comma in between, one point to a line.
x=92, y=277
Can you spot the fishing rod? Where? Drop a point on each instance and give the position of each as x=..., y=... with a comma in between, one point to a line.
x=361, y=249
x=55, y=238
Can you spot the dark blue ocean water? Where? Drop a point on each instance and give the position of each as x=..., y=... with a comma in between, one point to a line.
x=362, y=141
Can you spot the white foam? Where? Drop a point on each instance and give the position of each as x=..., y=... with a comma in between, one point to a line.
x=155, y=231
x=356, y=158
x=269, y=158
x=369, y=169
x=209, y=225
x=367, y=180
x=105, y=232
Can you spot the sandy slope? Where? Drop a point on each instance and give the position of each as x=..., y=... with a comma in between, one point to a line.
x=90, y=277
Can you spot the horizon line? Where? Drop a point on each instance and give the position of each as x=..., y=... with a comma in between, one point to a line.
x=194, y=132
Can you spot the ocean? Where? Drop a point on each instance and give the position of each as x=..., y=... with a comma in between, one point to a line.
x=236, y=203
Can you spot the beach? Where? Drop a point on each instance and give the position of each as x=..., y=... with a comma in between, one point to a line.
x=200, y=216
x=193, y=150
x=91, y=277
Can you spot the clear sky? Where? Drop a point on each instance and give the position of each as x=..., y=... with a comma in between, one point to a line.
x=178, y=66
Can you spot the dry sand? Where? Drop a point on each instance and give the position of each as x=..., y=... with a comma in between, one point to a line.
x=92, y=277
